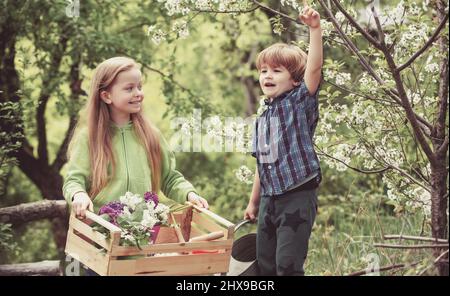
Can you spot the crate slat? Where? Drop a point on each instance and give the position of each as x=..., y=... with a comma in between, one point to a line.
x=89, y=232
x=192, y=265
x=207, y=223
x=215, y=217
x=172, y=248
x=86, y=253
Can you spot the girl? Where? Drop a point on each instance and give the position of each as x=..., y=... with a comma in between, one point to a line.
x=120, y=150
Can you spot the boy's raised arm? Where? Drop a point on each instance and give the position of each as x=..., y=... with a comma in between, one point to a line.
x=311, y=18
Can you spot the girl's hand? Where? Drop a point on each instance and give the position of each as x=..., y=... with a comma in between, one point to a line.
x=310, y=17
x=197, y=200
x=251, y=212
x=81, y=202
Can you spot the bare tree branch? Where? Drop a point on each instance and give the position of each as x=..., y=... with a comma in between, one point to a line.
x=436, y=261
x=76, y=91
x=61, y=156
x=43, y=268
x=385, y=268
x=435, y=246
x=32, y=211
x=418, y=238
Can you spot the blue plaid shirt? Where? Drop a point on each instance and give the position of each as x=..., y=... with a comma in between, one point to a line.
x=283, y=141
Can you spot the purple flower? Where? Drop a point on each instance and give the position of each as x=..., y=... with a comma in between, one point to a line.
x=113, y=210
x=151, y=196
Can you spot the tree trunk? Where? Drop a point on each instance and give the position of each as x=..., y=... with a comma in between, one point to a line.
x=439, y=170
x=439, y=197
x=49, y=183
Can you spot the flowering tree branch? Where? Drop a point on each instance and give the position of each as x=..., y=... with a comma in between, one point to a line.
x=277, y=12
x=226, y=11
x=355, y=24
x=425, y=126
x=425, y=46
x=351, y=45
x=378, y=171
x=357, y=93
x=402, y=93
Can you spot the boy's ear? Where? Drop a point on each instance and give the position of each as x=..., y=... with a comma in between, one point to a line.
x=104, y=95
x=296, y=83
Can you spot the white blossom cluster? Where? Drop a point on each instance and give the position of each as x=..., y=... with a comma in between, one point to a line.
x=130, y=200
x=157, y=35
x=184, y=7
x=244, y=174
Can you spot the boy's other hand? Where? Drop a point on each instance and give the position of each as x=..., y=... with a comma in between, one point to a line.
x=251, y=212
x=309, y=16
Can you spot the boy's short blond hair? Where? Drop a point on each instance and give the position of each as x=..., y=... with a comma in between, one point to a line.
x=282, y=54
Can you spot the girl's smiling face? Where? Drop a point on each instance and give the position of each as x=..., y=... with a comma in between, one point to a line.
x=125, y=96
x=275, y=80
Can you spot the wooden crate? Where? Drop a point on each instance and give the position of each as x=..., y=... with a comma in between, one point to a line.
x=190, y=249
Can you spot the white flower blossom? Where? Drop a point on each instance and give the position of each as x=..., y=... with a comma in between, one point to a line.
x=148, y=219
x=181, y=29
x=432, y=68
x=130, y=200
x=245, y=175
x=340, y=17
x=157, y=35
x=343, y=78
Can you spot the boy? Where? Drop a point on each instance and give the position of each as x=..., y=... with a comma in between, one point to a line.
x=288, y=172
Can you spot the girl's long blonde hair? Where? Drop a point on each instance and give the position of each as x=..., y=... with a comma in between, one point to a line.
x=100, y=130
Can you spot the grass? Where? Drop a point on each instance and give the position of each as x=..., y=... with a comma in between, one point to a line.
x=343, y=239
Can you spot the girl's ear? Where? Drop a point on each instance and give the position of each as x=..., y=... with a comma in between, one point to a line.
x=104, y=95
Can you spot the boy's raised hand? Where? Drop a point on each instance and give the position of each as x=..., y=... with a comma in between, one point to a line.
x=309, y=16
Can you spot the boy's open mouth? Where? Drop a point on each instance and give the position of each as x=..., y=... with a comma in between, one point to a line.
x=135, y=102
x=269, y=84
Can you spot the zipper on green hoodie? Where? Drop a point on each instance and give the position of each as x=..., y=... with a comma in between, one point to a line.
x=126, y=159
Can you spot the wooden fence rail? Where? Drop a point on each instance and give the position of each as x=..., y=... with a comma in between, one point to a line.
x=28, y=212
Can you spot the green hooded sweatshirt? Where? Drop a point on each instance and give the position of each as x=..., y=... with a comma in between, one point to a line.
x=132, y=170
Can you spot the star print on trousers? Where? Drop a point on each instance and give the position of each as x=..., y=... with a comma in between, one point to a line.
x=293, y=220
x=268, y=227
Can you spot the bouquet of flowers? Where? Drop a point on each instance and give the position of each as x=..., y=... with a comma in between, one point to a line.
x=139, y=218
